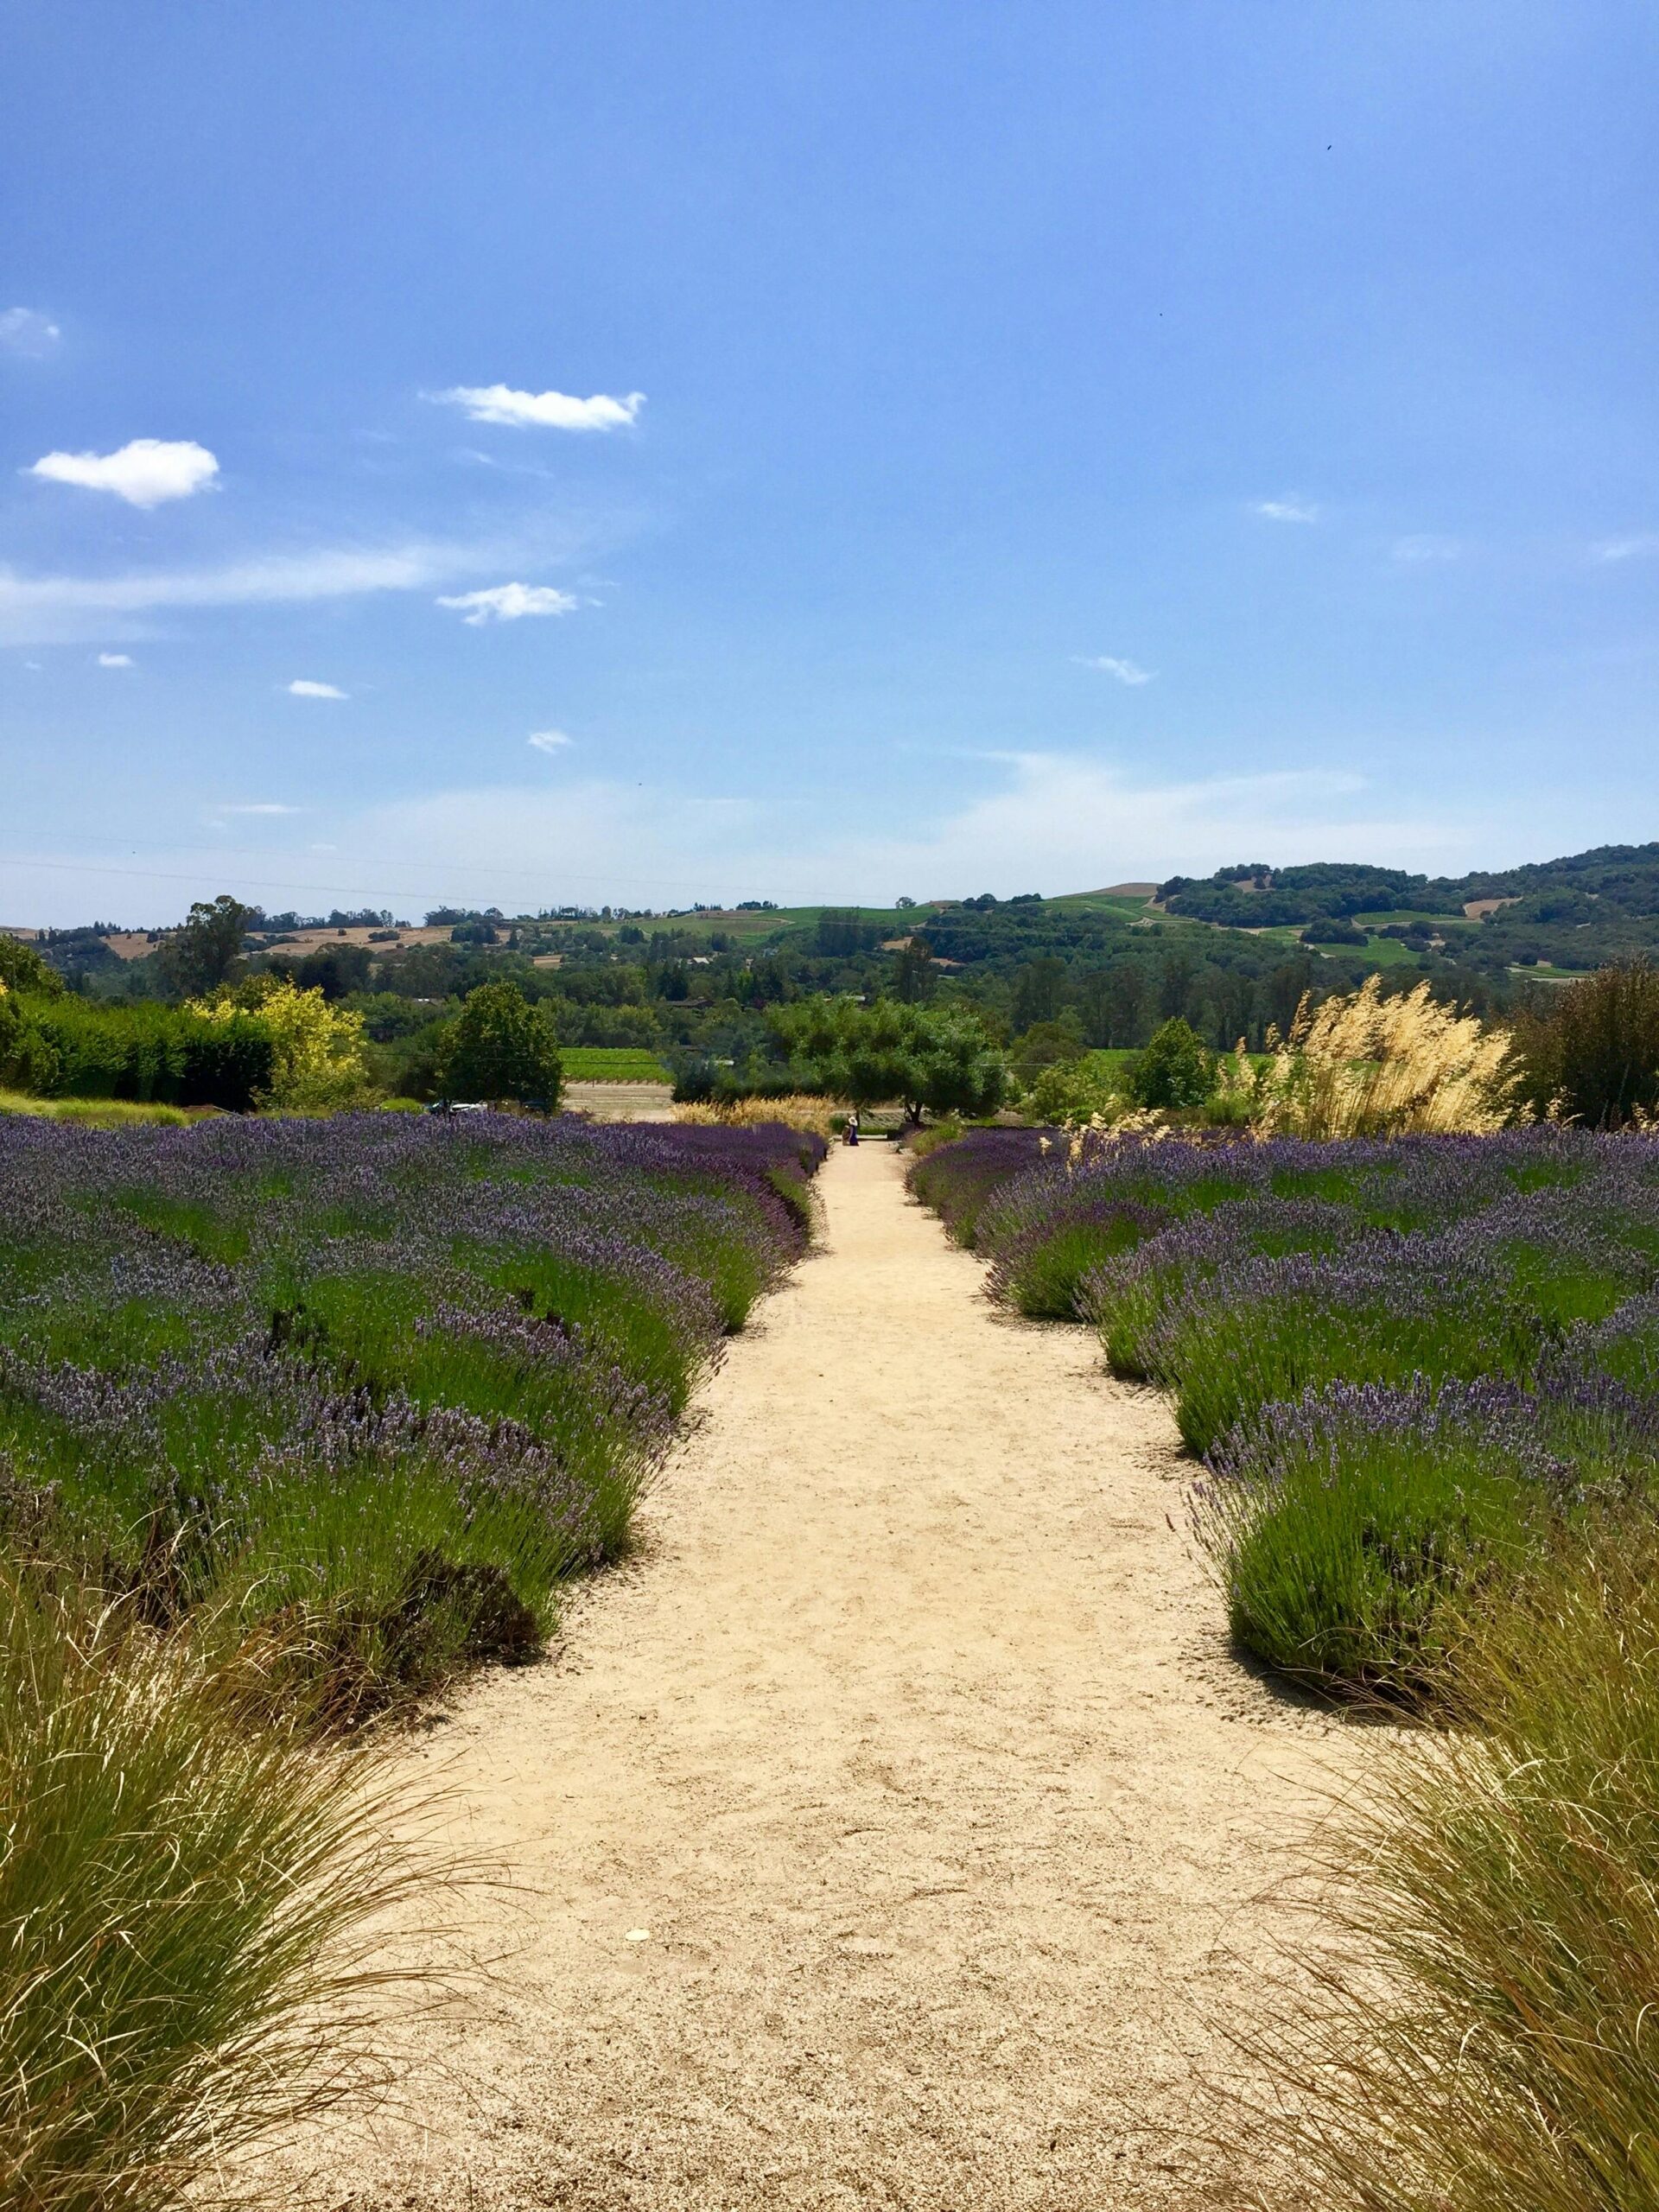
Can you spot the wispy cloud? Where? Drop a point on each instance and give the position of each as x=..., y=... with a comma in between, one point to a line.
x=548, y=740
x=546, y=411
x=28, y=333
x=1060, y=821
x=1637, y=546
x=509, y=603
x=1126, y=671
x=144, y=472
x=115, y=660
x=1287, y=509
x=1423, y=546
x=48, y=609
x=303, y=687
x=257, y=806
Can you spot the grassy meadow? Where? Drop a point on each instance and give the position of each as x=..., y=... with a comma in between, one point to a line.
x=299, y=1418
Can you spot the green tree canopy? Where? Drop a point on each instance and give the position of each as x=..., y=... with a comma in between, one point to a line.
x=1174, y=1070
x=933, y=1060
x=204, y=952
x=499, y=1046
x=1596, y=1051
x=22, y=969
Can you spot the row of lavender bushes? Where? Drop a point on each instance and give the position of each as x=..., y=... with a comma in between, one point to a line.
x=1423, y=1379
x=1403, y=1362
x=297, y=1419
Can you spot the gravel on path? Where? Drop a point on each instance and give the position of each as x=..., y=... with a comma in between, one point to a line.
x=892, y=1830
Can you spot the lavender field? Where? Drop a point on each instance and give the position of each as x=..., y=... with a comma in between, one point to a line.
x=397, y=1375
x=298, y=1418
x=1404, y=1364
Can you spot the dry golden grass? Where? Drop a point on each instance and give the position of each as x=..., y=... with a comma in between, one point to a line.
x=1362, y=1065
x=798, y=1110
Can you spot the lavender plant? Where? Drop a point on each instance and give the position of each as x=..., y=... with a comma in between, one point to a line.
x=394, y=1376
x=1408, y=1361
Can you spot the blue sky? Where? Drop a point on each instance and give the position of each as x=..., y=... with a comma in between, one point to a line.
x=942, y=446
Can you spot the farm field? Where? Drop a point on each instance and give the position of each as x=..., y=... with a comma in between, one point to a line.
x=895, y=1834
x=611, y=1064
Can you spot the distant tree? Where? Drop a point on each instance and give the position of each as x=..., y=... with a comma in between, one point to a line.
x=913, y=970
x=1175, y=1072
x=934, y=1060
x=902, y=905
x=22, y=969
x=337, y=970
x=1179, y=972
x=840, y=932
x=1595, y=1048
x=1047, y=1043
x=203, y=950
x=1129, y=999
x=498, y=1046
x=1037, y=991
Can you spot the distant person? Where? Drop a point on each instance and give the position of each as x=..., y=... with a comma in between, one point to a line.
x=852, y=1128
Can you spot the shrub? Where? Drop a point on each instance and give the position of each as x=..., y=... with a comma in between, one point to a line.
x=29, y=1062
x=1073, y=1094
x=317, y=1064
x=1594, y=1056
x=792, y=1110
x=1352, y=1527
x=499, y=1046
x=1175, y=1072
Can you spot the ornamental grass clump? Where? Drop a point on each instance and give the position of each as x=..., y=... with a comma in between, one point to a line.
x=1483, y=2038
x=1364, y=1065
x=185, y=1883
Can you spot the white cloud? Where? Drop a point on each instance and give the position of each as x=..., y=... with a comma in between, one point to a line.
x=1640, y=544
x=115, y=660
x=258, y=806
x=44, y=610
x=27, y=332
x=144, y=473
x=303, y=688
x=1426, y=547
x=1287, y=509
x=1126, y=671
x=548, y=740
x=509, y=603
x=547, y=410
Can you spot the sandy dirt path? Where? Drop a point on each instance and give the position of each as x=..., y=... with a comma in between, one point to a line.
x=910, y=1741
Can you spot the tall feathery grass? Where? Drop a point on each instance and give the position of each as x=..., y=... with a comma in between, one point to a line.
x=1486, y=2036
x=186, y=1878
x=1364, y=1065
